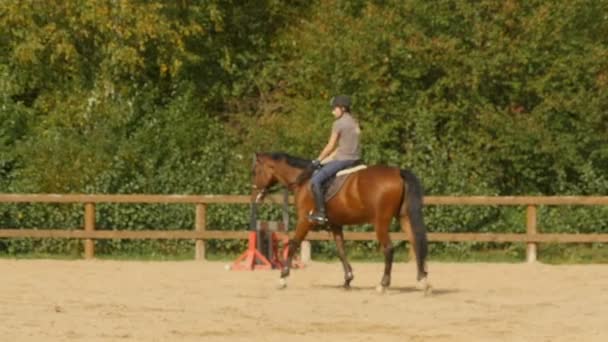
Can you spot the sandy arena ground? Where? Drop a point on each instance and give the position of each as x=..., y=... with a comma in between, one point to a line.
x=43, y=300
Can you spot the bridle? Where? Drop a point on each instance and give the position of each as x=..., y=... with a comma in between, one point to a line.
x=266, y=190
x=261, y=192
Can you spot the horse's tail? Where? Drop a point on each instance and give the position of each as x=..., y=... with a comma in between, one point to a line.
x=411, y=205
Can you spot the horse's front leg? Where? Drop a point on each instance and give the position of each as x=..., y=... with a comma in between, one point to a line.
x=348, y=271
x=302, y=228
x=294, y=245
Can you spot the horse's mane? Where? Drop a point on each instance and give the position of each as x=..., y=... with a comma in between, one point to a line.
x=297, y=162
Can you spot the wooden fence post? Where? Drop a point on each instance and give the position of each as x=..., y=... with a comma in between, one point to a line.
x=531, y=230
x=305, y=252
x=411, y=255
x=89, y=226
x=200, y=226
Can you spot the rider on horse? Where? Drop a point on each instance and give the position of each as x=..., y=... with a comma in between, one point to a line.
x=342, y=151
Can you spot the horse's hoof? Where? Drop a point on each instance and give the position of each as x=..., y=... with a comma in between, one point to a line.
x=381, y=289
x=347, y=283
x=282, y=284
x=424, y=285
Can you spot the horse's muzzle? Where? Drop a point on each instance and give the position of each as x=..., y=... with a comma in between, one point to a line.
x=260, y=196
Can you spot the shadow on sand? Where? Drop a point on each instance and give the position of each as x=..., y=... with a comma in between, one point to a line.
x=392, y=289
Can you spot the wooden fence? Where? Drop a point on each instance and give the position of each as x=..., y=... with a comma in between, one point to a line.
x=200, y=233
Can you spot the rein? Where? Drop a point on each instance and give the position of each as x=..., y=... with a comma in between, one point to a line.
x=265, y=191
x=290, y=185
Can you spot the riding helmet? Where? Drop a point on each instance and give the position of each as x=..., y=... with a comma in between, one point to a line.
x=340, y=101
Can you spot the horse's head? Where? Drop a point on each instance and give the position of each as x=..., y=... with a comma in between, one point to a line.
x=263, y=175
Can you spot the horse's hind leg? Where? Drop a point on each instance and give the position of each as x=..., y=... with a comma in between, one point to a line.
x=387, y=247
x=348, y=271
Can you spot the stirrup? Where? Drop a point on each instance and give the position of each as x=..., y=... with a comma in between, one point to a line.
x=317, y=218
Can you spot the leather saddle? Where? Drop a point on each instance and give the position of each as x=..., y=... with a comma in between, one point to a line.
x=333, y=185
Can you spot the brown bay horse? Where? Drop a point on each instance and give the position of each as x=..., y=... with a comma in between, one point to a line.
x=373, y=195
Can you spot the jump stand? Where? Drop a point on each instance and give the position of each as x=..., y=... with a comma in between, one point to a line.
x=267, y=246
x=278, y=244
x=266, y=256
x=252, y=259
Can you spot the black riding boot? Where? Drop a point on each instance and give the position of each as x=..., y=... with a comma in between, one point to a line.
x=318, y=216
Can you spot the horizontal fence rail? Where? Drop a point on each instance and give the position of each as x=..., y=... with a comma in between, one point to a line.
x=200, y=233
x=243, y=199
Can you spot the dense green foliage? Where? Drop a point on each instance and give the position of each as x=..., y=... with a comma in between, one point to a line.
x=492, y=97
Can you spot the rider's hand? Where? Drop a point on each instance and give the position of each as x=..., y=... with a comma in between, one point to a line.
x=316, y=163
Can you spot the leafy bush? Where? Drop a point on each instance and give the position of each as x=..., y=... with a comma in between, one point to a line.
x=477, y=98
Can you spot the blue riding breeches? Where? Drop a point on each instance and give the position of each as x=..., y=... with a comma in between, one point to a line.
x=328, y=170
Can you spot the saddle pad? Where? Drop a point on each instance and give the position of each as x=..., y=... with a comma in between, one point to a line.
x=350, y=170
x=335, y=184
